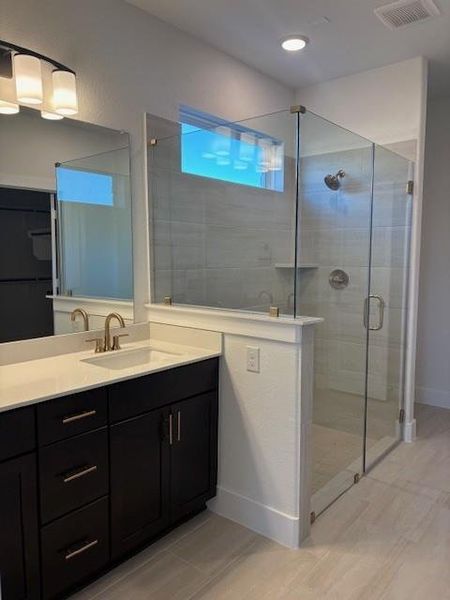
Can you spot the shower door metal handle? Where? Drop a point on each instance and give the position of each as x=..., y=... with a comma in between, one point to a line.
x=366, y=316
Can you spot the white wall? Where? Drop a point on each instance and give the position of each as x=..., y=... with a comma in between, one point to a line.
x=388, y=106
x=433, y=373
x=383, y=105
x=128, y=63
x=30, y=146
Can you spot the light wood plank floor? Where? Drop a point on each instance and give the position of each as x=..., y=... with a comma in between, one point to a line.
x=388, y=538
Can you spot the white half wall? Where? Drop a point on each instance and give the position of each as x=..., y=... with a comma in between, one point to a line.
x=129, y=63
x=433, y=342
x=265, y=417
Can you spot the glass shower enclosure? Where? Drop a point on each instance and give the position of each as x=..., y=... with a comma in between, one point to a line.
x=93, y=201
x=293, y=212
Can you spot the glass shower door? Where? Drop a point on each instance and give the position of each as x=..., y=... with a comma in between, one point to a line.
x=386, y=305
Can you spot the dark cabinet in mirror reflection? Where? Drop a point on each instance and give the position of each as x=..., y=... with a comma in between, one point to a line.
x=25, y=264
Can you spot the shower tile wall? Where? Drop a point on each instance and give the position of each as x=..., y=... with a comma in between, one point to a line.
x=335, y=233
x=216, y=243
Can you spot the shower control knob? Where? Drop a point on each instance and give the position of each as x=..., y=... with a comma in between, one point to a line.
x=338, y=279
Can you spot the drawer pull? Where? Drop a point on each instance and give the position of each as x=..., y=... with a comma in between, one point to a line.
x=73, y=553
x=72, y=475
x=83, y=415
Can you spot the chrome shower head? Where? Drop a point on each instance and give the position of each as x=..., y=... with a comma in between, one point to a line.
x=334, y=181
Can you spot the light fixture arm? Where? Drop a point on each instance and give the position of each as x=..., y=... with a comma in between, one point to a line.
x=6, y=50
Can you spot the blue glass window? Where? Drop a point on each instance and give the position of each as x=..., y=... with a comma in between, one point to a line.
x=229, y=152
x=84, y=187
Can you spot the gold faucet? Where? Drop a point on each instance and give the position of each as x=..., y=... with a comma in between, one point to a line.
x=115, y=345
x=84, y=316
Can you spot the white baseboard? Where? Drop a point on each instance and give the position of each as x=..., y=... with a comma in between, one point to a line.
x=278, y=526
x=433, y=397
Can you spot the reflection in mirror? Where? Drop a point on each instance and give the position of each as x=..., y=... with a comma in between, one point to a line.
x=65, y=226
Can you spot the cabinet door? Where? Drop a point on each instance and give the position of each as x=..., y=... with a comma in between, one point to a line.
x=193, y=453
x=19, y=560
x=139, y=480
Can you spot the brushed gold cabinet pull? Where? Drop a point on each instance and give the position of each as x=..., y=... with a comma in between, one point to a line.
x=72, y=553
x=171, y=429
x=83, y=415
x=79, y=473
x=179, y=426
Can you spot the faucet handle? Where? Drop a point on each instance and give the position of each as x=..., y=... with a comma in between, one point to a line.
x=116, y=341
x=99, y=344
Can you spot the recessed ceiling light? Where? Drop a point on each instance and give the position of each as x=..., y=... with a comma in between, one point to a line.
x=293, y=43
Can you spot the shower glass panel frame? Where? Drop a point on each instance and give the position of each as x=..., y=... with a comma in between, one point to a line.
x=94, y=232
x=387, y=303
x=335, y=181
x=354, y=223
x=220, y=243
x=334, y=243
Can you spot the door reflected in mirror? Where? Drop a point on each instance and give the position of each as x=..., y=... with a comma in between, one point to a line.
x=65, y=226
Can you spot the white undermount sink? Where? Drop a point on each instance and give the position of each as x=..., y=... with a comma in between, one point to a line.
x=124, y=359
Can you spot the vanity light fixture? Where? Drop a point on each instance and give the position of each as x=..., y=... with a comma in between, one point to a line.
x=8, y=102
x=294, y=43
x=65, y=99
x=51, y=116
x=28, y=76
x=22, y=83
x=8, y=108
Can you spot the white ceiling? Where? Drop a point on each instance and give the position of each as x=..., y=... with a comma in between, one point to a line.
x=353, y=40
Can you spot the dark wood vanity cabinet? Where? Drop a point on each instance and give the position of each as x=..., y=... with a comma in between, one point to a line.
x=139, y=481
x=90, y=478
x=193, y=455
x=19, y=540
x=19, y=557
x=164, y=461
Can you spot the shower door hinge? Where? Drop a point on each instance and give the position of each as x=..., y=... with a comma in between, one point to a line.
x=410, y=187
x=297, y=108
x=168, y=300
x=356, y=478
x=153, y=142
x=401, y=415
x=312, y=517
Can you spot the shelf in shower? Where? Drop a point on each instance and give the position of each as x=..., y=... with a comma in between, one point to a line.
x=299, y=266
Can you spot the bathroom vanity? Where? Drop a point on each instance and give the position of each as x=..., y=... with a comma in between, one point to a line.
x=88, y=478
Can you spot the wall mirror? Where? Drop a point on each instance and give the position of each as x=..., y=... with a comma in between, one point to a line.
x=65, y=225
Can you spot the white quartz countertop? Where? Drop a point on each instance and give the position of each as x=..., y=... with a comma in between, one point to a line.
x=34, y=381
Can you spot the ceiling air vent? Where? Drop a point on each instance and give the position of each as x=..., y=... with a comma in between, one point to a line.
x=407, y=12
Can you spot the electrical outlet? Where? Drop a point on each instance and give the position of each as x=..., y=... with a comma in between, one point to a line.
x=253, y=359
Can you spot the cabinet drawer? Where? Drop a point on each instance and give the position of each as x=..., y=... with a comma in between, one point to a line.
x=17, y=432
x=72, y=473
x=74, y=548
x=64, y=417
x=136, y=396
